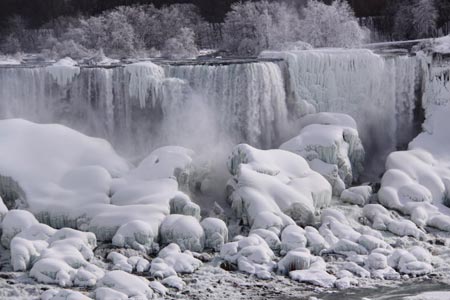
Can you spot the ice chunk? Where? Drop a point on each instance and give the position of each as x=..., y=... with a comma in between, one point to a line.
x=268, y=185
x=216, y=233
x=184, y=231
x=174, y=281
x=271, y=238
x=376, y=261
x=14, y=222
x=54, y=294
x=298, y=259
x=137, y=235
x=357, y=195
x=172, y=257
x=130, y=285
x=292, y=237
x=333, y=139
x=251, y=254
x=316, y=277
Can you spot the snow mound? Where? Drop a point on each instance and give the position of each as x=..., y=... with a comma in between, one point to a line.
x=271, y=188
x=358, y=195
x=315, y=275
x=417, y=181
x=14, y=222
x=54, y=294
x=251, y=254
x=185, y=231
x=331, y=145
x=58, y=169
x=216, y=233
x=172, y=258
x=123, y=283
x=123, y=263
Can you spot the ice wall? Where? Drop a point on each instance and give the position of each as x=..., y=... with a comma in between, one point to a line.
x=377, y=91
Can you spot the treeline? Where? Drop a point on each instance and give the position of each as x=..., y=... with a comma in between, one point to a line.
x=179, y=30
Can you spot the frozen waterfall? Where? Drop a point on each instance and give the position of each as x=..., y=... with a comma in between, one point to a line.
x=377, y=91
x=143, y=105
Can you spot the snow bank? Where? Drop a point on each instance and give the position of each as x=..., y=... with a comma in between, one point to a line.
x=59, y=169
x=272, y=188
x=331, y=145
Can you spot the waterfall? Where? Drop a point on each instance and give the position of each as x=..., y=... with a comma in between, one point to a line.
x=142, y=105
x=377, y=91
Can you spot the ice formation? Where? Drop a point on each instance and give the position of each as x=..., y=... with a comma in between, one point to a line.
x=417, y=180
x=371, y=88
x=63, y=71
x=331, y=145
x=143, y=217
x=272, y=188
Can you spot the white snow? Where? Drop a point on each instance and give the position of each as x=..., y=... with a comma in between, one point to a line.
x=185, y=231
x=332, y=139
x=273, y=187
x=216, y=233
x=251, y=255
x=130, y=285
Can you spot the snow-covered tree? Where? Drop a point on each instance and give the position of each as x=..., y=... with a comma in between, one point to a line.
x=332, y=25
x=415, y=19
x=425, y=16
x=181, y=46
x=251, y=27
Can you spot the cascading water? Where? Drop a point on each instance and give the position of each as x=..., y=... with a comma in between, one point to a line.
x=378, y=92
x=249, y=98
x=143, y=105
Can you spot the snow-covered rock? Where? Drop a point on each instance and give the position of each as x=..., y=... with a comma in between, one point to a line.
x=333, y=140
x=216, y=233
x=185, y=231
x=292, y=237
x=274, y=187
x=298, y=259
x=417, y=180
x=130, y=285
x=54, y=294
x=137, y=235
x=172, y=258
x=251, y=254
x=358, y=195
x=14, y=222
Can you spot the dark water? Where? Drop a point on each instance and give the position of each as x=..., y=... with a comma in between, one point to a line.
x=396, y=292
